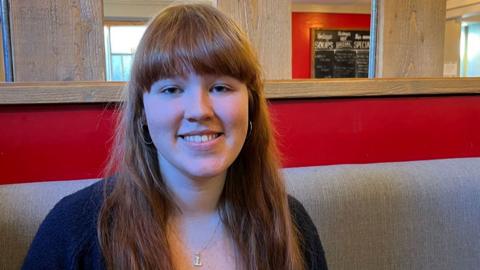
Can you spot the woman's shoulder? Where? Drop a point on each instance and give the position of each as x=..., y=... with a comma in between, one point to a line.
x=299, y=214
x=68, y=231
x=308, y=235
x=90, y=196
x=77, y=209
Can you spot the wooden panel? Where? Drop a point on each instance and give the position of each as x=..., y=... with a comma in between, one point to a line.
x=57, y=40
x=100, y=92
x=268, y=24
x=410, y=38
x=451, y=57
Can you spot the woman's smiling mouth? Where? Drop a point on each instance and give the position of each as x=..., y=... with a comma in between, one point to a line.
x=200, y=137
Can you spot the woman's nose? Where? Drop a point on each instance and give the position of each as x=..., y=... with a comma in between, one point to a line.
x=198, y=106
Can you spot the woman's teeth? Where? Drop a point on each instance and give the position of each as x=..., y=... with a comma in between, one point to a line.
x=200, y=138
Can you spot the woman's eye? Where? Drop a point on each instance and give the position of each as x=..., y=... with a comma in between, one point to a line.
x=220, y=88
x=172, y=90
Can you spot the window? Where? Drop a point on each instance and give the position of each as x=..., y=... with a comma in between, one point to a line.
x=121, y=41
x=470, y=50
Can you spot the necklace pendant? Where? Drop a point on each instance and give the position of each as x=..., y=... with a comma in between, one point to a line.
x=197, y=260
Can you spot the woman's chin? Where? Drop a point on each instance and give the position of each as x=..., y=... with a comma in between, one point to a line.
x=206, y=171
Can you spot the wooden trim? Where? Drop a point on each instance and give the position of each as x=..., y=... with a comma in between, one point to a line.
x=451, y=4
x=463, y=11
x=104, y=92
x=334, y=88
x=60, y=92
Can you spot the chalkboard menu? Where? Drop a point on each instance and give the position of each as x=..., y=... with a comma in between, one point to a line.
x=340, y=53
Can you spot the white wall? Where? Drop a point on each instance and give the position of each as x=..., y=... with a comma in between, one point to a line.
x=136, y=9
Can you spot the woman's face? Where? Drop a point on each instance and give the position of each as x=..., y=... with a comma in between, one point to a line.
x=198, y=123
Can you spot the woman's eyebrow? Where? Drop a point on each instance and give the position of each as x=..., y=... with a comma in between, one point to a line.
x=160, y=83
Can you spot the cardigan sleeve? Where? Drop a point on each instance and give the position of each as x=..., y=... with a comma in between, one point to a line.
x=67, y=238
x=311, y=245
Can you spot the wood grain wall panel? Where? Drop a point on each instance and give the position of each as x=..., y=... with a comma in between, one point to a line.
x=410, y=38
x=57, y=40
x=111, y=92
x=268, y=24
x=451, y=57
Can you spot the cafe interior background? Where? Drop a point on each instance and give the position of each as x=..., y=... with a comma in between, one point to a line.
x=124, y=23
x=124, y=26
x=71, y=59
x=58, y=116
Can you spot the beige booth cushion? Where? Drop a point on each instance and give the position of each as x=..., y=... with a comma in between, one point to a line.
x=22, y=208
x=403, y=215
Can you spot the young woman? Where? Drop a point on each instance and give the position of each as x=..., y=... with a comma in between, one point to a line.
x=194, y=180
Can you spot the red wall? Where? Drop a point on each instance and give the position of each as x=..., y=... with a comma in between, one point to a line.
x=301, y=24
x=60, y=142
x=54, y=142
x=366, y=130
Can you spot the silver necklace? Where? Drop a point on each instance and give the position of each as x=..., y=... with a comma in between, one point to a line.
x=197, y=256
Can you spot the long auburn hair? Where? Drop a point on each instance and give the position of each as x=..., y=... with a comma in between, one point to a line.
x=253, y=207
